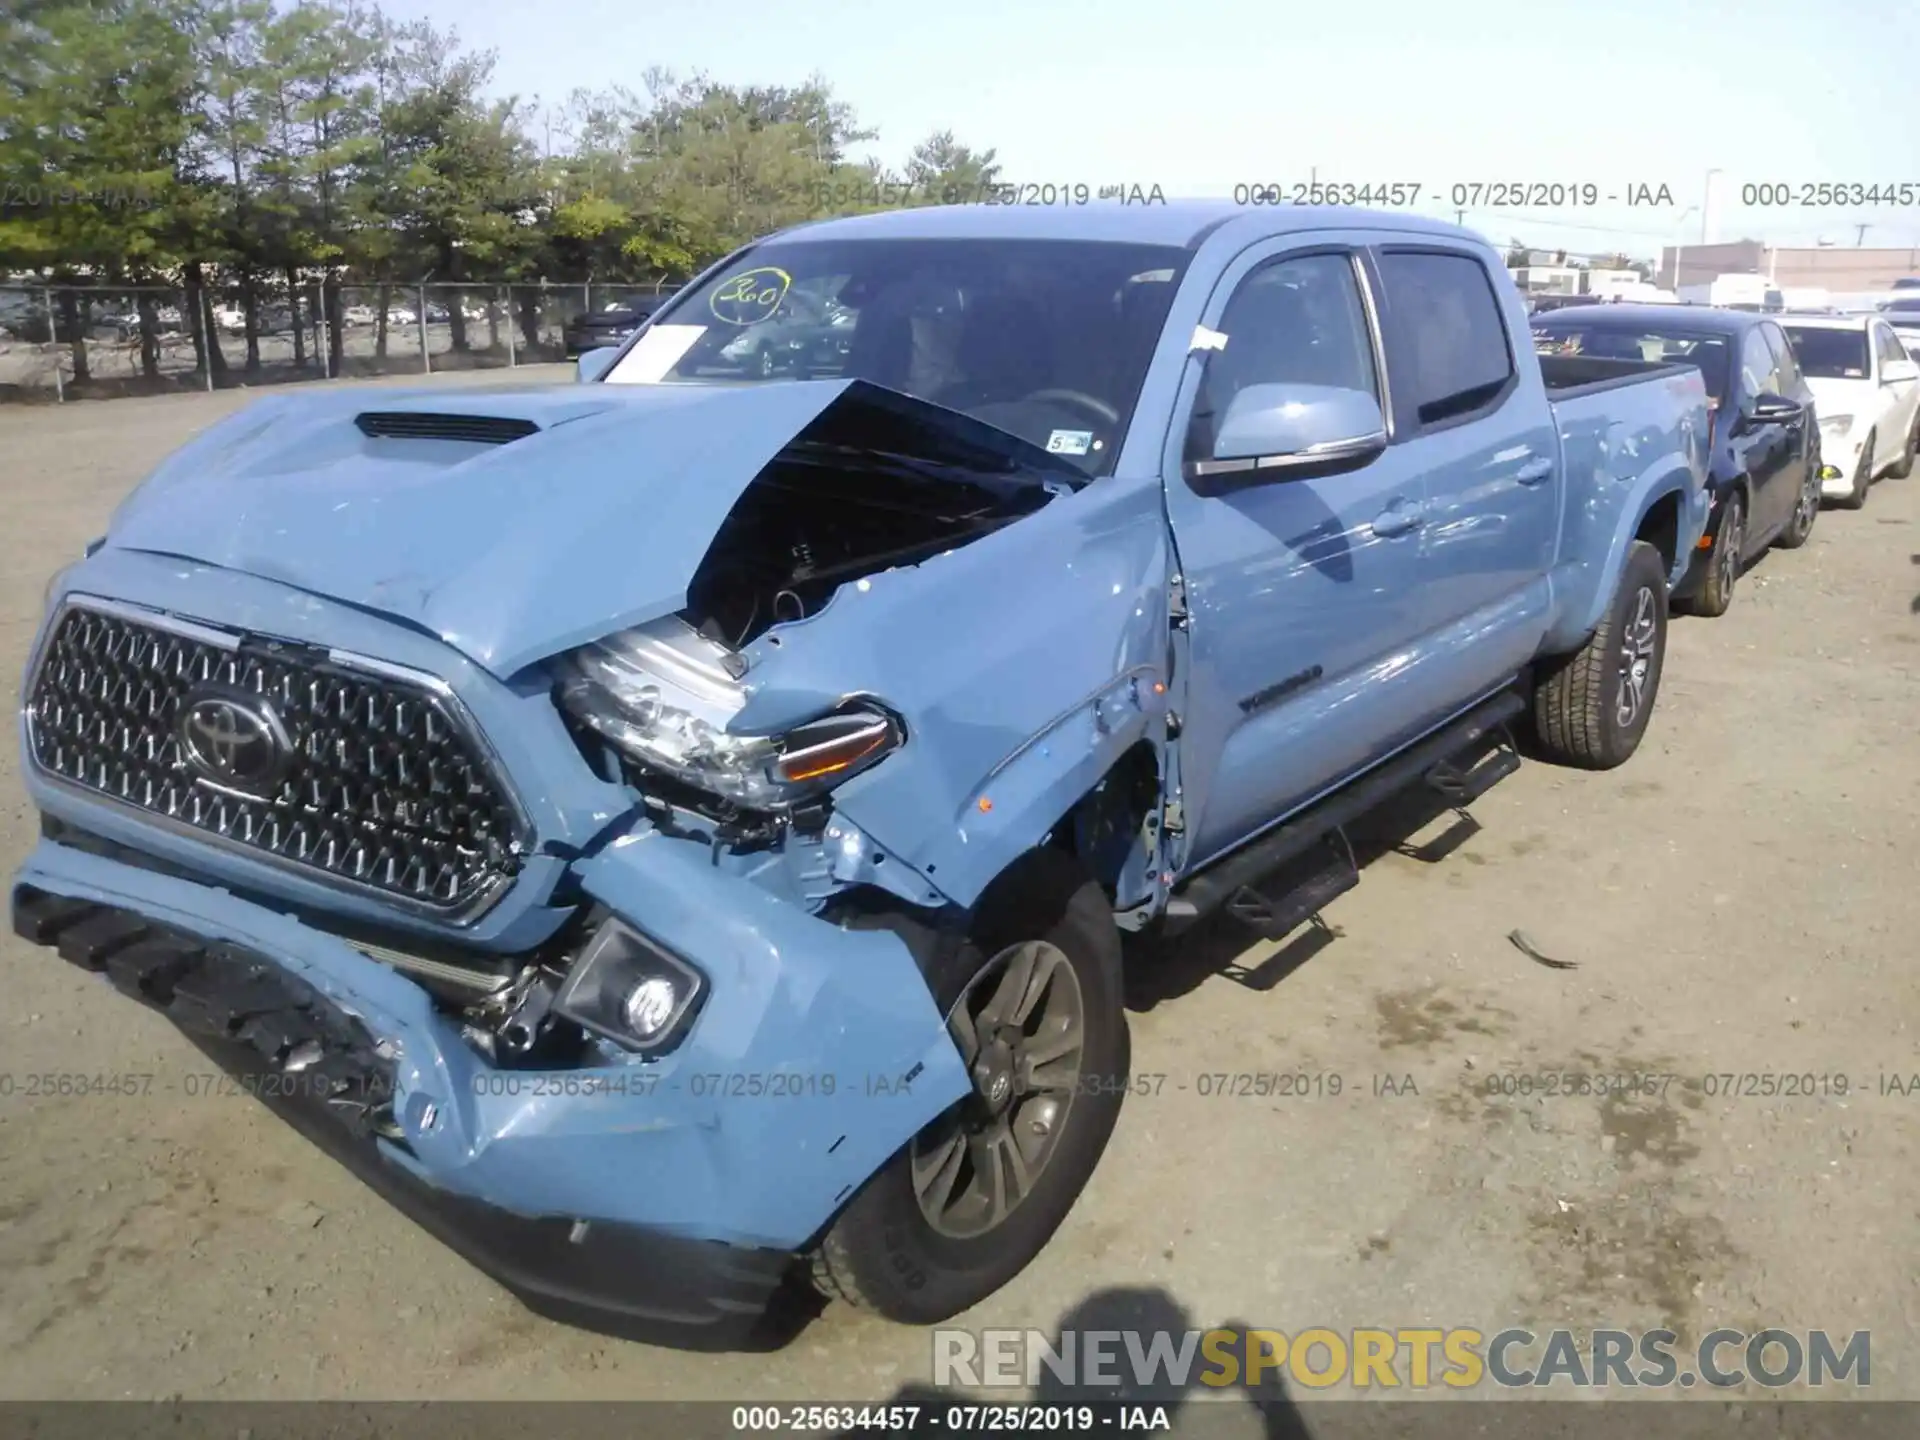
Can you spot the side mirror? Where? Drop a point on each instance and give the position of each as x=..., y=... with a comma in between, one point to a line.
x=1769, y=408
x=595, y=363
x=1275, y=432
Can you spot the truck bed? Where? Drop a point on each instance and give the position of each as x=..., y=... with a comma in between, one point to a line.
x=1568, y=376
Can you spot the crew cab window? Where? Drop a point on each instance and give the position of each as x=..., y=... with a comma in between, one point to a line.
x=1296, y=321
x=1450, y=338
x=1892, y=352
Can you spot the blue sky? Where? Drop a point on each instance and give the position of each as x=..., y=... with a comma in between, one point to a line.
x=1203, y=95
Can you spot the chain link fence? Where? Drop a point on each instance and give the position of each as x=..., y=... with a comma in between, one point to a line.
x=62, y=343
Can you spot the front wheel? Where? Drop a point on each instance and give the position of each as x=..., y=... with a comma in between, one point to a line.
x=1723, y=561
x=1903, y=467
x=1033, y=1003
x=1806, y=508
x=1856, y=497
x=1591, y=708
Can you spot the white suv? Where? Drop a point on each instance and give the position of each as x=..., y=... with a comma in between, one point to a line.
x=1866, y=391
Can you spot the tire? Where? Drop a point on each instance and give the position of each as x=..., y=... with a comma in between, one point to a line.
x=1806, y=508
x=1715, y=595
x=884, y=1251
x=1903, y=467
x=1856, y=498
x=1580, y=704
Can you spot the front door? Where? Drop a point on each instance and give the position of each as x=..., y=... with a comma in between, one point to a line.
x=1302, y=592
x=1762, y=446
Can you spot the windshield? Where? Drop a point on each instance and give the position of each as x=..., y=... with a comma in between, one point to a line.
x=1829, y=354
x=1047, y=339
x=1706, y=353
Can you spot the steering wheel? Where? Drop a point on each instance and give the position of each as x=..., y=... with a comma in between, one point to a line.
x=1077, y=399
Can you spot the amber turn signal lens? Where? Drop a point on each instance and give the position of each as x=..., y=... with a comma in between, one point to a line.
x=829, y=747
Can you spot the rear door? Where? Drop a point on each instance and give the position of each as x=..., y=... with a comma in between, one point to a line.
x=1469, y=397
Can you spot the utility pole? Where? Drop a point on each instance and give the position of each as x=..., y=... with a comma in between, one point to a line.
x=1860, y=236
x=1459, y=217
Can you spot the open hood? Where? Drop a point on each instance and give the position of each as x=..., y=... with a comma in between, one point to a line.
x=514, y=524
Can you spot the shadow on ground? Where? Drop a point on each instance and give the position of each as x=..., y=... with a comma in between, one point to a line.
x=1145, y=1311
x=1160, y=969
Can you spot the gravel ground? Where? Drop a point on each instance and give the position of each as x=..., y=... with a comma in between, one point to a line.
x=1740, y=898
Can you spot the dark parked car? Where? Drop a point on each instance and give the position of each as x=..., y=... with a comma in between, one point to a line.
x=1542, y=304
x=806, y=339
x=1764, y=476
x=611, y=326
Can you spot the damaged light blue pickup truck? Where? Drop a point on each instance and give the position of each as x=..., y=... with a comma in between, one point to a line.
x=672, y=833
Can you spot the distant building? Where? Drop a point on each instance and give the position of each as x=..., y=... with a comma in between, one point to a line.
x=1547, y=279
x=1836, y=269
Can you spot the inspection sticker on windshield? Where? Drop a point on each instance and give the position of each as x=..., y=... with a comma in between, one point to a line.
x=1070, y=442
x=656, y=352
x=1206, y=339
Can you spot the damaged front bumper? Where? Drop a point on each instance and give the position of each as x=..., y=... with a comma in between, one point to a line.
x=669, y=1193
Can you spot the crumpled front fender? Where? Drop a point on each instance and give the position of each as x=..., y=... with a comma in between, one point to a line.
x=1024, y=664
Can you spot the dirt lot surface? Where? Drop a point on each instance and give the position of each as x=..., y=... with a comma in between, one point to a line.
x=1740, y=899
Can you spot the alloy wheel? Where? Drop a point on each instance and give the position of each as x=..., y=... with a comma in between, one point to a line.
x=1021, y=1028
x=1808, y=505
x=1733, y=539
x=1637, y=642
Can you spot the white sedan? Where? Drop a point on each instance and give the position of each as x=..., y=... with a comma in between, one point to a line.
x=1866, y=391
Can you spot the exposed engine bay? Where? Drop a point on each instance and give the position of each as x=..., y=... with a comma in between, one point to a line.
x=823, y=514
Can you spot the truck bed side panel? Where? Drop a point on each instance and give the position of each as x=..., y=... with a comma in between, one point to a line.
x=1624, y=448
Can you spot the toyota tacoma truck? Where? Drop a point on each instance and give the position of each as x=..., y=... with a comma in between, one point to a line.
x=673, y=833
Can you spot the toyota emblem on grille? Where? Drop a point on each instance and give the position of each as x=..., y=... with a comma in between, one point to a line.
x=234, y=741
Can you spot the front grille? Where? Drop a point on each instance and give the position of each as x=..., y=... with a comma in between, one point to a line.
x=374, y=782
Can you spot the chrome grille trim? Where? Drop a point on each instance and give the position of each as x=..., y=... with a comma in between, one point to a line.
x=446, y=856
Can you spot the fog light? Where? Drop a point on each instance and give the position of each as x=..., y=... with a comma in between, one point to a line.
x=1829, y=472
x=650, y=1007
x=630, y=990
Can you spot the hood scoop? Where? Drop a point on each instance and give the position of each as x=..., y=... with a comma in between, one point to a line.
x=422, y=425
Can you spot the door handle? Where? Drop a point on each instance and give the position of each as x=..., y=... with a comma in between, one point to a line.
x=1534, y=471
x=1396, y=519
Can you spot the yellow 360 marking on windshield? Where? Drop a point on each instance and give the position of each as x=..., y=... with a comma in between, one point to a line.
x=751, y=296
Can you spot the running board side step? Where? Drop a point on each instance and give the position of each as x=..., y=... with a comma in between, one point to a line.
x=1275, y=911
x=1233, y=882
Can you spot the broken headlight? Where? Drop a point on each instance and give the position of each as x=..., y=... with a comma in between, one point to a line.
x=663, y=694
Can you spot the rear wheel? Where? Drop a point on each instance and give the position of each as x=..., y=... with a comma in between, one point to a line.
x=1806, y=509
x=1033, y=1003
x=1592, y=707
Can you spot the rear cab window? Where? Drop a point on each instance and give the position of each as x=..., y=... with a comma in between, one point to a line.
x=1450, y=357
